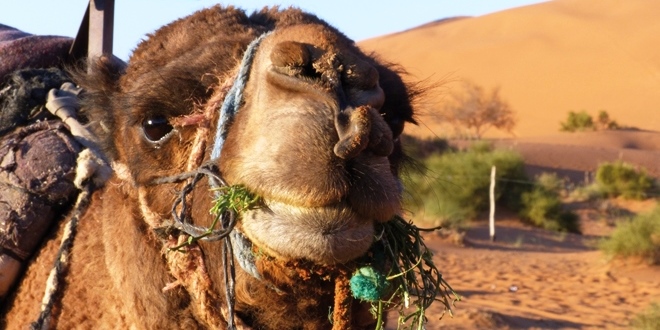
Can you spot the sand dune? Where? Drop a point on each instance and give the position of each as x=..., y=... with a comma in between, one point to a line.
x=548, y=59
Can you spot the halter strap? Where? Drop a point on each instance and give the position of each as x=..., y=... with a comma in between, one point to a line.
x=232, y=102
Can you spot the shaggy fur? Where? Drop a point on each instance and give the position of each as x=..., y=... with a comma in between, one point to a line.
x=307, y=85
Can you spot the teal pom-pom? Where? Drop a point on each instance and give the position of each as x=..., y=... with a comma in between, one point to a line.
x=368, y=285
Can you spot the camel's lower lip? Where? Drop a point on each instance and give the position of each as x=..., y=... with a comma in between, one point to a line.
x=325, y=235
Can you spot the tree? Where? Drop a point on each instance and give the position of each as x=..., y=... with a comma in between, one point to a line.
x=475, y=109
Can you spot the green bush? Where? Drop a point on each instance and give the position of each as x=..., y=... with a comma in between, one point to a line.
x=578, y=121
x=649, y=319
x=542, y=206
x=550, y=182
x=454, y=187
x=638, y=237
x=604, y=121
x=622, y=179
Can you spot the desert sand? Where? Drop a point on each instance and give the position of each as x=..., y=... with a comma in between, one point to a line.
x=534, y=279
x=548, y=59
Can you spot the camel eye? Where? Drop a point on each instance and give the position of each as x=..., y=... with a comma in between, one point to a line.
x=156, y=128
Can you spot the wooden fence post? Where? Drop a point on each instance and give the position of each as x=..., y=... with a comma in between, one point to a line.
x=492, y=204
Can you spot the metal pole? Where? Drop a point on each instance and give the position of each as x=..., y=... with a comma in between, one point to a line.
x=101, y=25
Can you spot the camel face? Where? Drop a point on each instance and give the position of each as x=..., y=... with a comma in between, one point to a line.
x=315, y=136
x=311, y=141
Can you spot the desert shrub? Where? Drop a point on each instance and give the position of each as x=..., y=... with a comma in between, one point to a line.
x=622, y=179
x=550, y=182
x=578, y=121
x=637, y=237
x=649, y=319
x=453, y=187
x=584, y=193
x=543, y=208
x=604, y=121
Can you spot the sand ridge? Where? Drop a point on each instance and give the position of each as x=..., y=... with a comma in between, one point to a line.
x=534, y=279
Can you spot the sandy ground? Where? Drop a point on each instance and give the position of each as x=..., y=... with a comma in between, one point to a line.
x=535, y=279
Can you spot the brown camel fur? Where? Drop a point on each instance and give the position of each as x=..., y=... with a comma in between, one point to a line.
x=316, y=138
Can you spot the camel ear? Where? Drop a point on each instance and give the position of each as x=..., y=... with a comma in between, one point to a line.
x=103, y=74
x=107, y=68
x=397, y=108
x=101, y=85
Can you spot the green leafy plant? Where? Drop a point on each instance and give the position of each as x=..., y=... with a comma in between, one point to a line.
x=577, y=122
x=234, y=198
x=416, y=280
x=637, y=237
x=622, y=179
x=543, y=208
x=453, y=187
x=649, y=319
x=605, y=122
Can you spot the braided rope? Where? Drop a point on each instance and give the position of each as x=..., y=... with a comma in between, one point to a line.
x=180, y=209
x=198, y=289
x=232, y=102
x=92, y=171
x=60, y=266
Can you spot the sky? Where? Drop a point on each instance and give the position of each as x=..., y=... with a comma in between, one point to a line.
x=358, y=19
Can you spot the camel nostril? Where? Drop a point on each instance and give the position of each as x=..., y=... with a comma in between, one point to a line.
x=353, y=126
x=291, y=57
x=362, y=128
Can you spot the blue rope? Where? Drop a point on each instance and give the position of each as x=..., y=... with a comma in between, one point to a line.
x=239, y=247
x=232, y=101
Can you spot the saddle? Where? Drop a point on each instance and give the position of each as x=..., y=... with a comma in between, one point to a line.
x=38, y=154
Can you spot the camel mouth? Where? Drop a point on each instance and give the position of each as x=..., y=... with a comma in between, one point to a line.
x=336, y=230
x=325, y=235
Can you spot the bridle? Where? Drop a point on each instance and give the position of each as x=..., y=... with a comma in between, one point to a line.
x=234, y=244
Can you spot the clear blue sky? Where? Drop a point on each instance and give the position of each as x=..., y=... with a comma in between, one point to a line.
x=358, y=19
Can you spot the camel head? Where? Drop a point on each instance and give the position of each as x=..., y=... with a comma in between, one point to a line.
x=315, y=136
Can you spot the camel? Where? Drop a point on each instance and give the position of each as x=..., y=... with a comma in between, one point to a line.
x=314, y=134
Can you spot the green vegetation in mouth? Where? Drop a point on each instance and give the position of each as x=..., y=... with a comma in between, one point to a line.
x=413, y=278
x=235, y=198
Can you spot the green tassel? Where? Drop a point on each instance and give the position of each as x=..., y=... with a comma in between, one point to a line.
x=367, y=284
